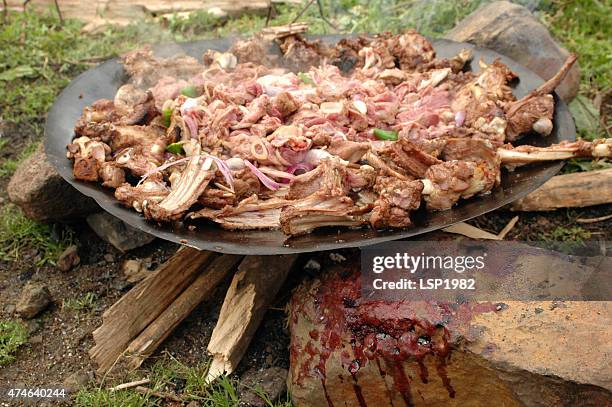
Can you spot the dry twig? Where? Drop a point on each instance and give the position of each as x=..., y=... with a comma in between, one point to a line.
x=59, y=12
x=501, y=235
x=129, y=385
x=594, y=220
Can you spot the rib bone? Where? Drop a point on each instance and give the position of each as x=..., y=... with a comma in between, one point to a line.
x=521, y=155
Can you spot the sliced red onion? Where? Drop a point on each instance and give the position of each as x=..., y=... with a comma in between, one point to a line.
x=192, y=125
x=282, y=176
x=225, y=170
x=299, y=167
x=459, y=118
x=273, y=172
x=161, y=168
x=267, y=181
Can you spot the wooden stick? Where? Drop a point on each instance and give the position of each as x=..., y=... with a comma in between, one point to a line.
x=4, y=11
x=594, y=220
x=501, y=235
x=129, y=385
x=468, y=230
x=148, y=341
x=251, y=292
x=569, y=191
x=127, y=318
x=59, y=12
x=281, y=31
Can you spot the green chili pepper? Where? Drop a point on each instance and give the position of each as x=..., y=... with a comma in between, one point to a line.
x=175, y=148
x=305, y=78
x=385, y=134
x=190, y=91
x=167, y=116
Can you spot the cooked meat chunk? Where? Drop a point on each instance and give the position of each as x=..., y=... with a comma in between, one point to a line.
x=320, y=210
x=351, y=151
x=446, y=183
x=140, y=195
x=407, y=156
x=111, y=175
x=251, y=50
x=396, y=199
x=251, y=213
x=190, y=186
x=330, y=176
x=145, y=70
x=89, y=156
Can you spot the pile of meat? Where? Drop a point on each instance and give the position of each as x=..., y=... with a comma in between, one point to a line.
x=363, y=132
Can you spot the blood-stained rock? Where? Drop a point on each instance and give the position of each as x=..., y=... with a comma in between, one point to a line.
x=43, y=195
x=346, y=351
x=512, y=30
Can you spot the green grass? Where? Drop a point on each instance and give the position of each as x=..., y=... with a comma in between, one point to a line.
x=13, y=334
x=8, y=166
x=84, y=303
x=18, y=233
x=566, y=234
x=164, y=376
x=585, y=27
x=106, y=398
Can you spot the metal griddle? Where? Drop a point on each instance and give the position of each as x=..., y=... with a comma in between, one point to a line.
x=104, y=80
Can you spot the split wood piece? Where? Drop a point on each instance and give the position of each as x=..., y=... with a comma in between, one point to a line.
x=251, y=292
x=470, y=231
x=281, y=31
x=569, y=191
x=127, y=318
x=148, y=341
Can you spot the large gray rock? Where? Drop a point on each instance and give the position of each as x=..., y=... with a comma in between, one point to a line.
x=34, y=298
x=118, y=233
x=512, y=30
x=348, y=351
x=43, y=195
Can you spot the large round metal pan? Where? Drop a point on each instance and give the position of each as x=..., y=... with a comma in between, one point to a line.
x=104, y=80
